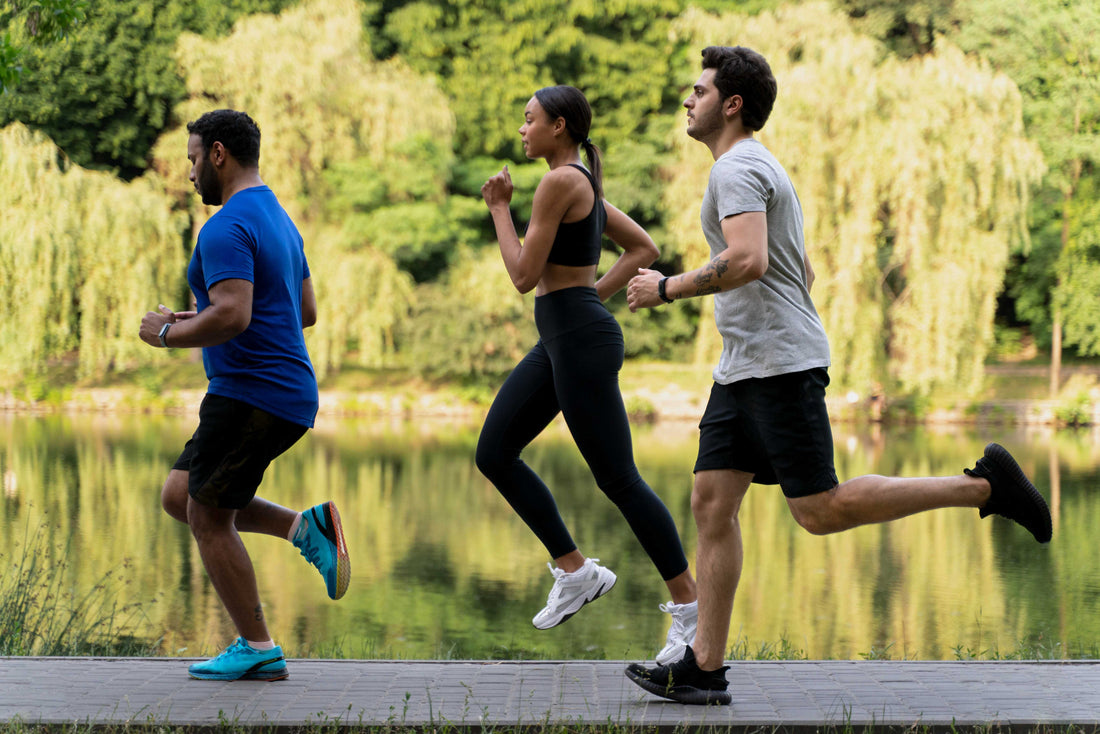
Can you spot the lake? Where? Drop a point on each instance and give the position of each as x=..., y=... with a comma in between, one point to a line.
x=441, y=568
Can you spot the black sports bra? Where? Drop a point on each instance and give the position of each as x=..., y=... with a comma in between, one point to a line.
x=578, y=243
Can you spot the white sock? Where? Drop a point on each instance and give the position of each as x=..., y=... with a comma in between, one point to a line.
x=294, y=527
x=269, y=645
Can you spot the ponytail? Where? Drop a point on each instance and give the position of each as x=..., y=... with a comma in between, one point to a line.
x=595, y=163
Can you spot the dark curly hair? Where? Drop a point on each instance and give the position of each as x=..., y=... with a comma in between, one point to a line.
x=238, y=132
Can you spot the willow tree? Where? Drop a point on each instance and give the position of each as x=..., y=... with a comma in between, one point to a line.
x=82, y=257
x=324, y=108
x=1051, y=48
x=913, y=177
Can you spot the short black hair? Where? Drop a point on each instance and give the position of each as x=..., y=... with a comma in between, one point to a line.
x=742, y=71
x=238, y=132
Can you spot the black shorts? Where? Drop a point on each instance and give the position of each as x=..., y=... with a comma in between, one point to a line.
x=231, y=449
x=776, y=428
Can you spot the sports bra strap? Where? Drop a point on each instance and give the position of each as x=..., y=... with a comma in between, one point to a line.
x=589, y=176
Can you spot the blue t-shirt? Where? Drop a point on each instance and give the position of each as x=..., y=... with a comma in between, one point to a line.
x=267, y=366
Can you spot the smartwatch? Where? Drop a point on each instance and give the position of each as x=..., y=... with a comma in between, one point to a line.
x=661, y=290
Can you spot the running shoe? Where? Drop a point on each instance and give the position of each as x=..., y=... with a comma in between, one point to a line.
x=321, y=540
x=242, y=662
x=1012, y=494
x=572, y=591
x=683, y=681
x=685, y=618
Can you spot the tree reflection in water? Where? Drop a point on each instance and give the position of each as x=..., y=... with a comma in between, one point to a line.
x=443, y=568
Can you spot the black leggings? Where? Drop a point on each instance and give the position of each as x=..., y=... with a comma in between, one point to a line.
x=574, y=369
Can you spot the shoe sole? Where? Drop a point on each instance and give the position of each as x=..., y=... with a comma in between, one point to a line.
x=1011, y=470
x=343, y=563
x=562, y=618
x=267, y=676
x=682, y=694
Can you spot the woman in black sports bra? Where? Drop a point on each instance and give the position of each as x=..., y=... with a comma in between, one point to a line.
x=574, y=367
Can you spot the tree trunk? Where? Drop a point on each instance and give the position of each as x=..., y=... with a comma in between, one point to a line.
x=1055, y=352
x=1056, y=314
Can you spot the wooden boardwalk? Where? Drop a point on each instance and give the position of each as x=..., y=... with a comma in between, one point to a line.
x=800, y=696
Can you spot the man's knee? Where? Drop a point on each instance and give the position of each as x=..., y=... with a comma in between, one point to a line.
x=173, y=495
x=819, y=513
x=716, y=498
x=205, y=520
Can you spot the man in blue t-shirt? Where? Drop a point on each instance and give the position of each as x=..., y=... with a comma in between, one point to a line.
x=253, y=297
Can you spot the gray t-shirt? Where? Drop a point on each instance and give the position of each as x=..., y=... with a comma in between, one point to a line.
x=769, y=326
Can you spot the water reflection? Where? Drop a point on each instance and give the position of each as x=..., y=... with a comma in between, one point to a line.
x=443, y=568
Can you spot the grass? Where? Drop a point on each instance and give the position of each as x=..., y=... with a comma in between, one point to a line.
x=42, y=614
x=227, y=726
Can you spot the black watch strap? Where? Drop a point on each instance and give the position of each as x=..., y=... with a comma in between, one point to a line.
x=661, y=290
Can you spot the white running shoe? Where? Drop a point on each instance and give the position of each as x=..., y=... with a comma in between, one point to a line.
x=572, y=591
x=685, y=619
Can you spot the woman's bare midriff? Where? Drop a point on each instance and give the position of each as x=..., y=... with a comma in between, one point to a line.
x=556, y=277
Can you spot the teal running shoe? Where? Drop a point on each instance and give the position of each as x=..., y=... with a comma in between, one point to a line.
x=321, y=540
x=242, y=662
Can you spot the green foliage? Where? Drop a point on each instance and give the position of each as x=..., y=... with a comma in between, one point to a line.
x=473, y=323
x=1074, y=411
x=105, y=92
x=1031, y=277
x=41, y=615
x=82, y=257
x=1078, y=268
x=907, y=28
x=36, y=21
x=469, y=175
x=1051, y=49
x=660, y=333
x=910, y=217
x=43, y=20
x=618, y=52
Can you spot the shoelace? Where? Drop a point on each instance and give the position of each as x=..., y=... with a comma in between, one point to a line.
x=238, y=644
x=311, y=552
x=678, y=627
x=559, y=577
x=556, y=589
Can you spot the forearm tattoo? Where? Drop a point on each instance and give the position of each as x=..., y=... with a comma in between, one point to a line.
x=706, y=281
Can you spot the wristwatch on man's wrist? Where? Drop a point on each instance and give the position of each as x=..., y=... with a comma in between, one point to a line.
x=661, y=290
x=163, y=334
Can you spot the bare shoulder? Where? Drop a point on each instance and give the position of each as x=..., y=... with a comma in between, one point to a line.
x=563, y=186
x=562, y=177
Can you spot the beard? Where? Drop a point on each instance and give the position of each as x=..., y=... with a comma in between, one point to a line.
x=209, y=187
x=706, y=125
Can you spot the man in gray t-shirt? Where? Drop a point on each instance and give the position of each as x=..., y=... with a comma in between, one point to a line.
x=769, y=326
x=766, y=420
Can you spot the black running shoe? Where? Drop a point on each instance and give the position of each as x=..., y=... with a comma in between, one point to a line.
x=1013, y=495
x=683, y=681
